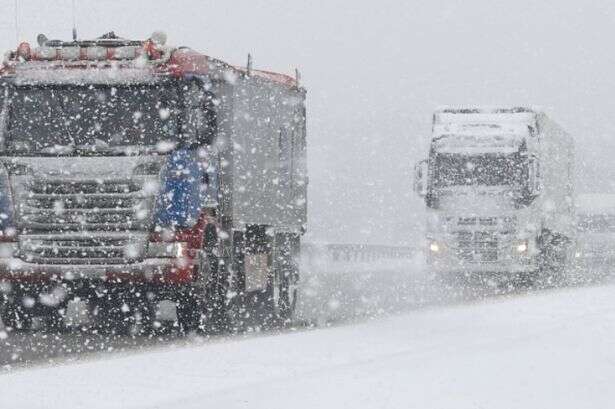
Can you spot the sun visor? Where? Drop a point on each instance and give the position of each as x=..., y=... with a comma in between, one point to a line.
x=46, y=73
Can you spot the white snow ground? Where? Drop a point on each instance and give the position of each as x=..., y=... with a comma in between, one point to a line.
x=546, y=350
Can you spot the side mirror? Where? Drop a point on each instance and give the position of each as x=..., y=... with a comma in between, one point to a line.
x=534, y=177
x=420, y=178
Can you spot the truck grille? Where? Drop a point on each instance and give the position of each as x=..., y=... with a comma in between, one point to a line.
x=78, y=206
x=83, y=221
x=66, y=249
x=477, y=246
x=508, y=222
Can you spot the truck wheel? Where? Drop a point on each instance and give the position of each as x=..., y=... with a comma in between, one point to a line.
x=188, y=310
x=528, y=279
x=118, y=315
x=219, y=314
x=110, y=320
x=553, y=259
x=16, y=317
x=278, y=303
x=286, y=277
x=223, y=317
x=54, y=320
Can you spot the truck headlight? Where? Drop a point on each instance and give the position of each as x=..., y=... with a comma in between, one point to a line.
x=434, y=247
x=521, y=247
x=167, y=250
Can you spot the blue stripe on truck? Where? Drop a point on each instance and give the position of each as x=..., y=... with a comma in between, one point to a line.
x=179, y=201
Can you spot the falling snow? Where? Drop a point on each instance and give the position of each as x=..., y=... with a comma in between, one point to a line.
x=171, y=216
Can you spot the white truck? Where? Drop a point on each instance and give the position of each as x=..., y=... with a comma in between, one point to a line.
x=498, y=187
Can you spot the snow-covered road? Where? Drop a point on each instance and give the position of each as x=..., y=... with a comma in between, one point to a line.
x=553, y=349
x=330, y=293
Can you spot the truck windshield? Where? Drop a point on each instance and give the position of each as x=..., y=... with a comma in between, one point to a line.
x=60, y=119
x=483, y=169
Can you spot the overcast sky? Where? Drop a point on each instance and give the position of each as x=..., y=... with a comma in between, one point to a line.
x=375, y=71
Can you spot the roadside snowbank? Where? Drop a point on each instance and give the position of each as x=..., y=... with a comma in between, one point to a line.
x=545, y=350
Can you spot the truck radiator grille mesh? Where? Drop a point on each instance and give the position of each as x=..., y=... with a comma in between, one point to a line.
x=83, y=221
x=58, y=249
x=477, y=246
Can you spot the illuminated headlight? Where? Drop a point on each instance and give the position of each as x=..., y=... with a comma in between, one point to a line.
x=171, y=250
x=434, y=247
x=521, y=247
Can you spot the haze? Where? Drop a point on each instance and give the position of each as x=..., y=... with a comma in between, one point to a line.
x=374, y=73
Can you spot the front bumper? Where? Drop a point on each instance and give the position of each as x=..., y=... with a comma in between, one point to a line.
x=154, y=270
x=449, y=263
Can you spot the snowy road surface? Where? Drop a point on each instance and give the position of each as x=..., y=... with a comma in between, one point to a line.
x=552, y=349
x=337, y=292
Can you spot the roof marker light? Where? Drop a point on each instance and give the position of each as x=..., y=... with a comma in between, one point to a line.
x=24, y=51
x=159, y=38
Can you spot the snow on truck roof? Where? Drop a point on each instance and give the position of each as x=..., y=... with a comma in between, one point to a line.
x=110, y=59
x=473, y=130
x=477, y=129
x=475, y=144
x=485, y=115
x=485, y=110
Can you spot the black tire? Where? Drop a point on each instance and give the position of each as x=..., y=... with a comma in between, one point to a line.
x=53, y=319
x=188, y=310
x=16, y=317
x=124, y=315
x=275, y=307
x=217, y=313
x=528, y=279
x=110, y=320
x=552, y=261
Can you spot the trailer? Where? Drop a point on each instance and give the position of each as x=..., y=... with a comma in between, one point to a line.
x=134, y=173
x=499, y=193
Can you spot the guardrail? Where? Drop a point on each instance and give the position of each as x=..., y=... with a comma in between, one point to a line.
x=347, y=253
